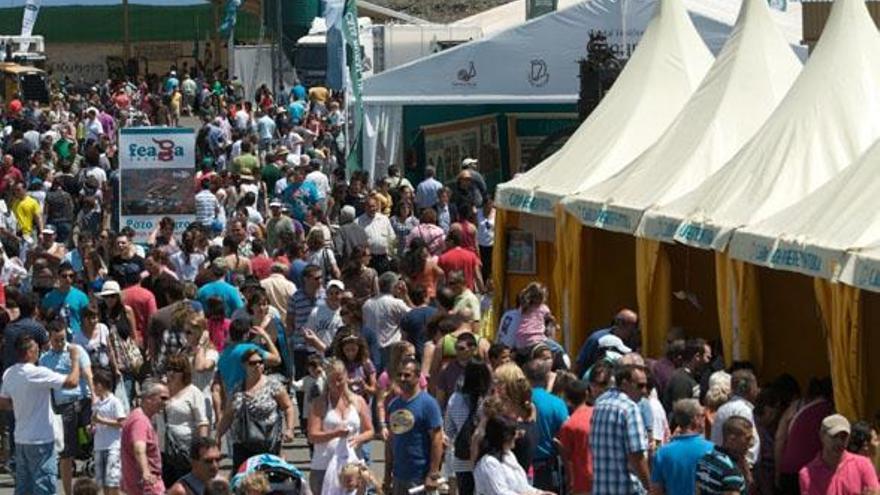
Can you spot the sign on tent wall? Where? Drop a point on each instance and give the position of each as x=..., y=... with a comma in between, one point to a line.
x=446, y=145
x=157, y=168
x=529, y=132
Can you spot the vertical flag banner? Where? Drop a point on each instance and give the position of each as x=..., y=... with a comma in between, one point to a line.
x=157, y=167
x=354, y=101
x=28, y=20
x=333, y=16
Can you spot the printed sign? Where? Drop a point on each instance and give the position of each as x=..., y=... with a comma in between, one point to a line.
x=157, y=167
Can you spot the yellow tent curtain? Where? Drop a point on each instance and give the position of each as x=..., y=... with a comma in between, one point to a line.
x=499, y=268
x=841, y=310
x=739, y=310
x=653, y=289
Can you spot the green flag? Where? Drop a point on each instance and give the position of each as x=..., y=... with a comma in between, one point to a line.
x=351, y=35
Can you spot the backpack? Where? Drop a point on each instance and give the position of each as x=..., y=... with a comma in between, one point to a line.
x=462, y=445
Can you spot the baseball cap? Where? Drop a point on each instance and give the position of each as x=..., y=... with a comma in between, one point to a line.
x=275, y=204
x=467, y=162
x=615, y=343
x=336, y=283
x=834, y=424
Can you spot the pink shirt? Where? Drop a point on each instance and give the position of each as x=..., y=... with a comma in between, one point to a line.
x=531, y=327
x=137, y=428
x=853, y=475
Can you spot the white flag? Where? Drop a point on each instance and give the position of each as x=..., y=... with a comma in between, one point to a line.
x=31, y=9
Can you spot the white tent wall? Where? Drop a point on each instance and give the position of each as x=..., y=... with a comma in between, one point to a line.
x=253, y=67
x=382, y=136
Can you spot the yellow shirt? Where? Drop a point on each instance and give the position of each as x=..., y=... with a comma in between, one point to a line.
x=25, y=211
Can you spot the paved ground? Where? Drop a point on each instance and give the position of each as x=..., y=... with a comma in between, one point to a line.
x=298, y=453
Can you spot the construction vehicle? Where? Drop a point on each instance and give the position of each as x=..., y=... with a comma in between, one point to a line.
x=21, y=73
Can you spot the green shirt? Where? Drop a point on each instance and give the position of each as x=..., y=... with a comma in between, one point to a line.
x=245, y=165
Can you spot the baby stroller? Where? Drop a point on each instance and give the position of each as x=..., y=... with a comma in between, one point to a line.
x=284, y=478
x=84, y=462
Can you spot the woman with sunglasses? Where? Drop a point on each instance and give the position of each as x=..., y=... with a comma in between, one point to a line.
x=261, y=400
x=119, y=318
x=183, y=418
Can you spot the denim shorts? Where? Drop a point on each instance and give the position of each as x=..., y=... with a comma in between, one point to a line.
x=36, y=469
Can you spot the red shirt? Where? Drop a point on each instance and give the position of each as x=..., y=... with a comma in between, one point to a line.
x=575, y=438
x=459, y=259
x=143, y=303
x=137, y=428
x=853, y=475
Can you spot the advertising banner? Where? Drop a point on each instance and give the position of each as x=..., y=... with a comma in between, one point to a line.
x=157, y=167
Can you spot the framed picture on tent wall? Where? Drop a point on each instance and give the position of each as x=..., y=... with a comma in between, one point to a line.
x=521, y=256
x=447, y=144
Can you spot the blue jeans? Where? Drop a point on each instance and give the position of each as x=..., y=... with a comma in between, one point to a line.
x=36, y=469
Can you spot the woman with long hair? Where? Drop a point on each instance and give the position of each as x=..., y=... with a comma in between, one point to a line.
x=338, y=415
x=183, y=418
x=188, y=259
x=261, y=400
x=403, y=222
x=120, y=321
x=497, y=471
x=421, y=268
x=351, y=349
x=204, y=361
x=361, y=280
x=460, y=410
x=512, y=398
x=237, y=266
x=258, y=308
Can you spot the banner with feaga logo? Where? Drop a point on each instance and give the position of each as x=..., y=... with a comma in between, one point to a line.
x=157, y=167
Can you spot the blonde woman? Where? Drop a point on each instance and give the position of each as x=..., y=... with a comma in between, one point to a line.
x=511, y=398
x=337, y=414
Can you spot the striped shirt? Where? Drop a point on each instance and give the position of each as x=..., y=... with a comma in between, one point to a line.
x=717, y=473
x=206, y=207
x=457, y=411
x=300, y=305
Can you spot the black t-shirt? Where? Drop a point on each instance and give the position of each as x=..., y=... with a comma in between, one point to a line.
x=681, y=386
x=123, y=270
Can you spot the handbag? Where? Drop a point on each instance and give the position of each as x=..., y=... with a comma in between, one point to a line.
x=176, y=454
x=130, y=357
x=257, y=436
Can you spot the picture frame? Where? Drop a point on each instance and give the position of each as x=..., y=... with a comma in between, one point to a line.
x=521, y=253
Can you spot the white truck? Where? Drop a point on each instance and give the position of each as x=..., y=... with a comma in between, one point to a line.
x=384, y=46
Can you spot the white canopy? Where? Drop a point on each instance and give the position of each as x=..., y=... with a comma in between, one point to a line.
x=513, y=13
x=752, y=74
x=663, y=72
x=813, y=235
x=535, y=62
x=829, y=118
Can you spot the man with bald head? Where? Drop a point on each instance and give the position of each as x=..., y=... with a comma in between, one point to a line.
x=625, y=325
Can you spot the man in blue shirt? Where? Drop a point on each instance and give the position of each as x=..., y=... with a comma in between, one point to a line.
x=414, y=448
x=73, y=404
x=675, y=465
x=227, y=292
x=552, y=413
x=625, y=326
x=300, y=195
x=66, y=301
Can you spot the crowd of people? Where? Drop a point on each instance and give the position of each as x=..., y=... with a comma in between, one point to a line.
x=305, y=300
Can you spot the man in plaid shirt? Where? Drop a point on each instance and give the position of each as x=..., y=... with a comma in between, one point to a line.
x=618, y=437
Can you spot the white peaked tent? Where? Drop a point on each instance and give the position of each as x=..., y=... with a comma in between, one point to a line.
x=668, y=64
x=813, y=235
x=861, y=268
x=828, y=119
x=750, y=77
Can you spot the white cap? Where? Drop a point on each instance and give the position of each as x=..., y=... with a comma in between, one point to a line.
x=336, y=283
x=614, y=343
